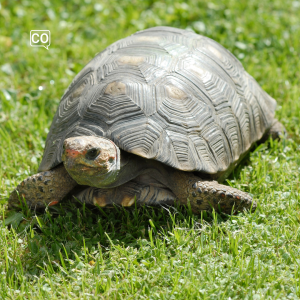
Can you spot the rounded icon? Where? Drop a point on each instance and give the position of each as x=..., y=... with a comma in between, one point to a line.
x=39, y=37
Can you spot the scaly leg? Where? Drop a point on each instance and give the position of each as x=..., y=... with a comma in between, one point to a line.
x=126, y=195
x=42, y=189
x=277, y=130
x=205, y=195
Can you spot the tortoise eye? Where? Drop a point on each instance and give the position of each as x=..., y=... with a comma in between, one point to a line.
x=92, y=153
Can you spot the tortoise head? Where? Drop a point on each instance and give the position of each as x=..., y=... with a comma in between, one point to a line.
x=91, y=160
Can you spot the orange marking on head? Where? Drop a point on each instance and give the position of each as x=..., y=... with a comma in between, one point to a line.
x=53, y=203
x=72, y=153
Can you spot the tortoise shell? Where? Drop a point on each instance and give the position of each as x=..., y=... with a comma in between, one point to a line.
x=165, y=94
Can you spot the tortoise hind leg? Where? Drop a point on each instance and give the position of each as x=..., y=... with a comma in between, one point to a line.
x=126, y=195
x=206, y=194
x=42, y=189
x=223, y=198
x=277, y=130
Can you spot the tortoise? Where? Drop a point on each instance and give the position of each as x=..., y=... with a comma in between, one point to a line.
x=157, y=118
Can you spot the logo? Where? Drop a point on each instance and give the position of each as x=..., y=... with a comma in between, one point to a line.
x=40, y=38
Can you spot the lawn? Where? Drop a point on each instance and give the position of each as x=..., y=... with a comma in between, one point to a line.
x=77, y=252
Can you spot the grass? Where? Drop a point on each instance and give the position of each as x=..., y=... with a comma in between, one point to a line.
x=78, y=252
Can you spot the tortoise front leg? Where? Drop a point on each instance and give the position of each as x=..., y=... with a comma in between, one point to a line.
x=126, y=195
x=205, y=195
x=42, y=189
